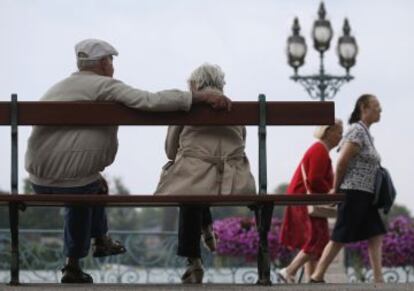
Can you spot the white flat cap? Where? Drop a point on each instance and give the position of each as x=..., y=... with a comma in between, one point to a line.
x=94, y=49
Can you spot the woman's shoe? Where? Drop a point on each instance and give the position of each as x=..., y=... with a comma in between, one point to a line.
x=284, y=277
x=312, y=281
x=194, y=273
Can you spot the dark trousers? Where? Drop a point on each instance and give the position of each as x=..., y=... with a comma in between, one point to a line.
x=192, y=220
x=81, y=223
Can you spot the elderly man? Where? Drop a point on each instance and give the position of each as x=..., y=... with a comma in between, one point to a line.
x=70, y=159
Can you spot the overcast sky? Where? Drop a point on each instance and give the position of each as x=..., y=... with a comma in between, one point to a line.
x=161, y=42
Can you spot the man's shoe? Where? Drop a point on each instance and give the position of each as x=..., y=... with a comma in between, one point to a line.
x=107, y=247
x=75, y=275
x=209, y=238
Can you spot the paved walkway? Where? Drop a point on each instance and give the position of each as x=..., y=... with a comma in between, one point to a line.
x=208, y=287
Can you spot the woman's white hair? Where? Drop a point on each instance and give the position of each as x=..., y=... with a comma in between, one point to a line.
x=320, y=130
x=207, y=76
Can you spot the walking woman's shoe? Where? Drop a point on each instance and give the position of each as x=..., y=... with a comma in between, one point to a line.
x=312, y=281
x=209, y=238
x=73, y=274
x=284, y=277
x=194, y=273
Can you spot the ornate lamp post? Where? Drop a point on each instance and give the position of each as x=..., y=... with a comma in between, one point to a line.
x=322, y=85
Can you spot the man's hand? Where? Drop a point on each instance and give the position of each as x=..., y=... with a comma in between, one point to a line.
x=214, y=98
x=104, y=186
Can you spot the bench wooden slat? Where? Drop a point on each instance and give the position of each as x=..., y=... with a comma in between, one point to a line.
x=170, y=200
x=106, y=113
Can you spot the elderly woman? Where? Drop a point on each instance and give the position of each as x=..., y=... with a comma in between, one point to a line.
x=313, y=175
x=203, y=160
x=358, y=219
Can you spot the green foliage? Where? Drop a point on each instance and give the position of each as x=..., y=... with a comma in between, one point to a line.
x=52, y=217
x=33, y=217
x=120, y=218
x=281, y=188
x=279, y=210
x=396, y=210
x=4, y=213
x=169, y=219
x=118, y=187
x=123, y=218
x=225, y=212
x=126, y=218
x=40, y=217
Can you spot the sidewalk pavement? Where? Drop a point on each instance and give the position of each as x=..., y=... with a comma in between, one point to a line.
x=208, y=287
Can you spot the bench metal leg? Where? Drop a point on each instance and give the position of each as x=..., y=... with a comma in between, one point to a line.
x=263, y=221
x=14, y=231
x=14, y=207
x=263, y=212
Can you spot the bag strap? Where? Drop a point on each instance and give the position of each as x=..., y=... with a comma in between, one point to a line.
x=305, y=179
x=367, y=132
x=369, y=137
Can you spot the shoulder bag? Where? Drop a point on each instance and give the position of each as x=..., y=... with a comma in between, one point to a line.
x=384, y=190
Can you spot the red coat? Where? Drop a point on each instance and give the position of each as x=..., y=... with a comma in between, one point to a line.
x=299, y=230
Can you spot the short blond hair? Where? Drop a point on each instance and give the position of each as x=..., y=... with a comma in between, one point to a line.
x=207, y=76
x=320, y=131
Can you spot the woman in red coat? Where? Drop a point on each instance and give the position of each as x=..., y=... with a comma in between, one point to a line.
x=299, y=230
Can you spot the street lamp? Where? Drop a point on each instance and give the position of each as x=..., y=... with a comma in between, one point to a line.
x=321, y=86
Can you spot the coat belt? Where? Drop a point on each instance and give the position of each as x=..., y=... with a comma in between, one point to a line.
x=218, y=161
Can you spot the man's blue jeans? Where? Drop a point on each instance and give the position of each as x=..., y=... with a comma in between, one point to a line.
x=81, y=223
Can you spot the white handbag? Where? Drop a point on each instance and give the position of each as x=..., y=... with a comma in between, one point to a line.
x=321, y=211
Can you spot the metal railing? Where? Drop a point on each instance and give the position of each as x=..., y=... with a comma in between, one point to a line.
x=151, y=258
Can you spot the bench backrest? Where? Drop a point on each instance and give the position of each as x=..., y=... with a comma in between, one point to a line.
x=104, y=113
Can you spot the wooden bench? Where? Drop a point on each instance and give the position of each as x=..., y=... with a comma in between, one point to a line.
x=261, y=114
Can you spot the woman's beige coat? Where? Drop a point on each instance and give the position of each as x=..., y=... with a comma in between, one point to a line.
x=206, y=160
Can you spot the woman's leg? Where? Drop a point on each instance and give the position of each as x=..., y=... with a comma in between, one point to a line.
x=329, y=253
x=206, y=218
x=375, y=257
x=298, y=261
x=189, y=232
x=310, y=267
x=207, y=232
